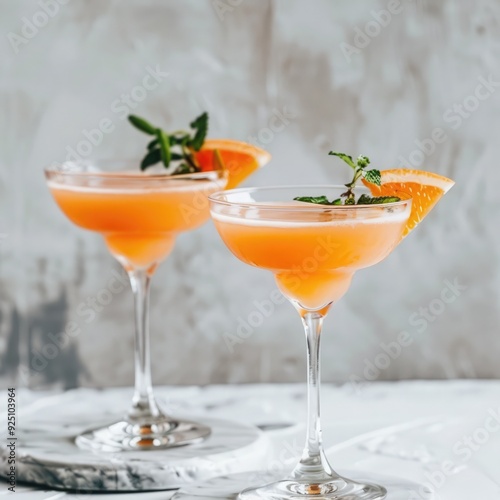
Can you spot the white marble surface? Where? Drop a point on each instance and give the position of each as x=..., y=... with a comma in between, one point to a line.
x=48, y=456
x=242, y=64
x=411, y=430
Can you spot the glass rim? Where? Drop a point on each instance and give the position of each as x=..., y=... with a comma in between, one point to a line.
x=54, y=168
x=216, y=198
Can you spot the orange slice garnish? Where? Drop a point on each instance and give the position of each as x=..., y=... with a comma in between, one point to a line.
x=240, y=158
x=424, y=188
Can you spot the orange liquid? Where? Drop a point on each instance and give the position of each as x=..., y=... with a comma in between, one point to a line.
x=138, y=225
x=313, y=262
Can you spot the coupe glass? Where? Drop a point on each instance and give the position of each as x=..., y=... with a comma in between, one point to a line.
x=313, y=252
x=139, y=216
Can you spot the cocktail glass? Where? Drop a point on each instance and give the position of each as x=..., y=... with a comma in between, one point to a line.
x=313, y=252
x=139, y=216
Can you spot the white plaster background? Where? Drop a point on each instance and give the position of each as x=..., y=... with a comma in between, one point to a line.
x=253, y=57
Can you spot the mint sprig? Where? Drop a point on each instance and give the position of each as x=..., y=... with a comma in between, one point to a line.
x=359, y=166
x=373, y=176
x=175, y=146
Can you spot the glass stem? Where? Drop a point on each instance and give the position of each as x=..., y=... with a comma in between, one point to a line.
x=144, y=406
x=313, y=465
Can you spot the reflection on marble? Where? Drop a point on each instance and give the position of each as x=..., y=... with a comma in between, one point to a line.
x=47, y=454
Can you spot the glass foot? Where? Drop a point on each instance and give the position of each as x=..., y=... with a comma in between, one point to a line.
x=126, y=436
x=340, y=489
x=248, y=486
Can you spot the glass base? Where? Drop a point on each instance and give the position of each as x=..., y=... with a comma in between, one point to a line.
x=248, y=486
x=126, y=436
x=340, y=489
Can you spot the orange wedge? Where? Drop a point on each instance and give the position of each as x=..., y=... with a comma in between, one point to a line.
x=240, y=158
x=424, y=188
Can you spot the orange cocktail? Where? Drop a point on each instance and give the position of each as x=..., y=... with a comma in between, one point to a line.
x=313, y=239
x=139, y=211
x=138, y=215
x=313, y=252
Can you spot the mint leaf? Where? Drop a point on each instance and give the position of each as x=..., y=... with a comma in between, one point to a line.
x=153, y=144
x=142, y=125
x=152, y=158
x=364, y=199
x=200, y=124
x=183, y=168
x=384, y=199
x=373, y=177
x=363, y=161
x=348, y=159
x=164, y=146
x=175, y=156
x=319, y=200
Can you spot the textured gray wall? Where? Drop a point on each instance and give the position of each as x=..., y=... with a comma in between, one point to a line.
x=344, y=75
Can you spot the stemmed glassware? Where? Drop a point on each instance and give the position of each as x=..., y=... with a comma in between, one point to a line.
x=313, y=252
x=139, y=216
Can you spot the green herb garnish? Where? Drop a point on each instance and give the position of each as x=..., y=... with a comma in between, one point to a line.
x=364, y=199
x=176, y=146
x=319, y=200
x=372, y=176
x=201, y=127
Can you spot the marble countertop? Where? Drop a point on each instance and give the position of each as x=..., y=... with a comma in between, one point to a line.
x=442, y=434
